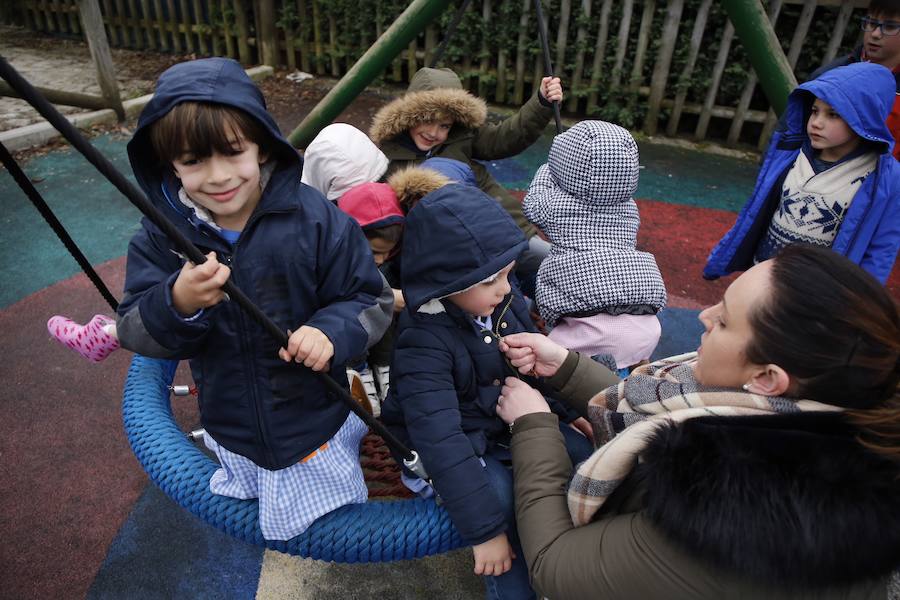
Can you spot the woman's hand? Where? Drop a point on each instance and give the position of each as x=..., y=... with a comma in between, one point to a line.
x=583, y=426
x=533, y=353
x=551, y=89
x=309, y=346
x=517, y=399
x=493, y=557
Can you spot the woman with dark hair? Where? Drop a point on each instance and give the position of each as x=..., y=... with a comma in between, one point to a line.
x=765, y=465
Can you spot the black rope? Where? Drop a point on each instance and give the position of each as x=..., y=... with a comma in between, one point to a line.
x=548, y=64
x=451, y=29
x=178, y=239
x=13, y=167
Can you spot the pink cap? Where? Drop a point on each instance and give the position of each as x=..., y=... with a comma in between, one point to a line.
x=372, y=205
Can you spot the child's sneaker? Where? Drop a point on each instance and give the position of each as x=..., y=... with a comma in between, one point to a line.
x=382, y=378
x=371, y=391
x=358, y=390
x=94, y=341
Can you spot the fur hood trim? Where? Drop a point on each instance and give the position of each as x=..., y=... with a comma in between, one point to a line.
x=413, y=183
x=425, y=106
x=789, y=500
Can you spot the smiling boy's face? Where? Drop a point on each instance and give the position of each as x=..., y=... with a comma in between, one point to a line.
x=432, y=134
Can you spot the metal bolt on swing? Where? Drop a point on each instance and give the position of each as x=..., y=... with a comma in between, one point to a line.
x=196, y=435
x=183, y=390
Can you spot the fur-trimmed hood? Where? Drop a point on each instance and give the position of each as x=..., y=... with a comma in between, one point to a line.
x=413, y=183
x=433, y=94
x=788, y=500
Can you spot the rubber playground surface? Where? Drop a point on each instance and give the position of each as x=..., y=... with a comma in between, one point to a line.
x=80, y=518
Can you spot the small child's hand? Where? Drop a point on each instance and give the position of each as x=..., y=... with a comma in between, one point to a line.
x=309, y=346
x=199, y=286
x=399, y=302
x=583, y=426
x=493, y=557
x=551, y=89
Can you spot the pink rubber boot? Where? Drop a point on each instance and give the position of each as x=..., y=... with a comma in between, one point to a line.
x=92, y=340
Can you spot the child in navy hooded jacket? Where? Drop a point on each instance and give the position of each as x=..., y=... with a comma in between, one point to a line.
x=459, y=247
x=211, y=158
x=845, y=197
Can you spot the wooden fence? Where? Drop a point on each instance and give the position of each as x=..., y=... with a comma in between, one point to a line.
x=671, y=65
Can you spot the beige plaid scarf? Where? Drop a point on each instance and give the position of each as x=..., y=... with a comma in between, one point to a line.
x=626, y=416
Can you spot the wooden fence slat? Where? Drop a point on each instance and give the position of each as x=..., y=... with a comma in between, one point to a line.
x=431, y=42
x=643, y=39
x=715, y=80
x=52, y=23
x=806, y=17
x=121, y=20
x=734, y=131
x=662, y=64
x=187, y=26
x=333, y=45
x=562, y=36
x=580, y=43
x=317, y=39
x=685, y=76
x=521, y=54
x=92, y=24
x=624, y=27
x=173, y=26
x=161, y=25
x=303, y=32
x=265, y=32
x=226, y=10
x=111, y=33
x=838, y=34
x=243, y=32
x=485, y=62
x=136, y=32
x=599, y=55
x=148, y=24
x=201, y=27
x=290, y=46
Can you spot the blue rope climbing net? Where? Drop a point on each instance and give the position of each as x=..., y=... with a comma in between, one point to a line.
x=378, y=531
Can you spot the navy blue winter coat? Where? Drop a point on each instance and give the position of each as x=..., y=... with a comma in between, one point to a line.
x=863, y=94
x=299, y=258
x=446, y=374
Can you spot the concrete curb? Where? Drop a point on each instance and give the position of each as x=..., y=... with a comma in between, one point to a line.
x=38, y=134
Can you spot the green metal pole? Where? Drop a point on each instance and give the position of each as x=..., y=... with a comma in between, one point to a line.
x=771, y=65
x=369, y=66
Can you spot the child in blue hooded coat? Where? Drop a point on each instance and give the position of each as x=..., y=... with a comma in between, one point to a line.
x=211, y=158
x=458, y=251
x=828, y=178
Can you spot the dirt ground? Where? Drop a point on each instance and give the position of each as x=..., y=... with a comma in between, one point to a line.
x=137, y=71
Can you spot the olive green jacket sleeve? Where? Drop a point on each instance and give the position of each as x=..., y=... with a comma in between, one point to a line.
x=579, y=379
x=513, y=135
x=621, y=556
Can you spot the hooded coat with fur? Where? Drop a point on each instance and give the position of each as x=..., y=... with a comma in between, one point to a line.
x=582, y=200
x=776, y=507
x=434, y=93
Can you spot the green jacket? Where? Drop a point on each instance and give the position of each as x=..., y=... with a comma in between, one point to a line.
x=435, y=93
x=641, y=546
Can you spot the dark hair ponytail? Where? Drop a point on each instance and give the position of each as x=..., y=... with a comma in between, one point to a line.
x=835, y=329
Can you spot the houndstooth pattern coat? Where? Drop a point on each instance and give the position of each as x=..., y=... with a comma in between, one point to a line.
x=582, y=200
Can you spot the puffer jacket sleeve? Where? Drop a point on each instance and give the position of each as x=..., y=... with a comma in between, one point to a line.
x=147, y=321
x=357, y=303
x=422, y=377
x=881, y=251
x=513, y=135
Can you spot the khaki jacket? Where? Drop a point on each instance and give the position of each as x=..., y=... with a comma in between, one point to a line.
x=438, y=92
x=623, y=553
